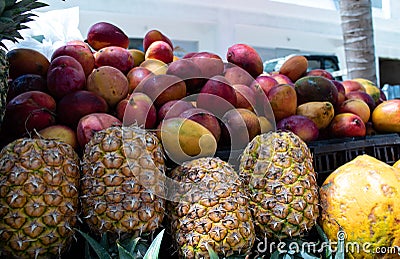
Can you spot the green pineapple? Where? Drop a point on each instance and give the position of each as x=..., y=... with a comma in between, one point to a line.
x=13, y=15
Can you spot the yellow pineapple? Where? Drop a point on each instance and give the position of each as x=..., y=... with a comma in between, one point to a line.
x=121, y=185
x=210, y=210
x=38, y=198
x=277, y=169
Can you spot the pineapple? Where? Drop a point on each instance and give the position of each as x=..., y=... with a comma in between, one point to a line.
x=278, y=171
x=13, y=15
x=38, y=198
x=122, y=181
x=3, y=84
x=210, y=210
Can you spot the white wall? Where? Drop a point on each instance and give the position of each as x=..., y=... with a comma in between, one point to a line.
x=217, y=24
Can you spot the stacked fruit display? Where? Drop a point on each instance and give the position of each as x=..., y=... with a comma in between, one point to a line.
x=183, y=109
x=88, y=86
x=322, y=107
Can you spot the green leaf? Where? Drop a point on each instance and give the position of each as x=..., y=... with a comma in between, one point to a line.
x=321, y=233
x=87, y=250
x=236, y=256
x=141, y=248
x=275, y=255
x=104, y=241
x=4, y=19
x=2, y=6
x=100, y=251
x=340, y=253
x=27, y=5
x=123, y=253
x=327, y=247
x=132, y=245
x=154, y=249
x=10, y=3
x=306, y=255
x=211, y=252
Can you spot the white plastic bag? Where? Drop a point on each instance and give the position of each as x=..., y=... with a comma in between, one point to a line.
x=49, y=31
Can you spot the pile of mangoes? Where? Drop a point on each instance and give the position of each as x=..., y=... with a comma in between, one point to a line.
x=196, y=104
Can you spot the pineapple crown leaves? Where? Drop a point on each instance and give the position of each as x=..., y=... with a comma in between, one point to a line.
x=13, y=15
x=328, y=253
x=125, y=251
x=294, y=254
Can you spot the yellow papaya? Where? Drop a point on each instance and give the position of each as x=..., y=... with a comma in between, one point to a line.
x=360, y=203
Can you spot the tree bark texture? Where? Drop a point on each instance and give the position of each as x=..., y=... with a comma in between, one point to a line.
x=358, y=38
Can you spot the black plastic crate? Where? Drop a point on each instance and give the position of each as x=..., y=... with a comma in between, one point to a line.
x=329, y=154
x=332, y=153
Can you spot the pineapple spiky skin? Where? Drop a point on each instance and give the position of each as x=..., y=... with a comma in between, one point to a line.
x=3, y=84
x=121, y=182
x=210, y=209
x=277, y=168
x=39, y=198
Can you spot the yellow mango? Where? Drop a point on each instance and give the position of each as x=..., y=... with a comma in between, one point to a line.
x=27, y=61
x=386, y=116
x=138, y=56
x=156, y=66
x=320, y=112
x=370, y=88
x=184, y=139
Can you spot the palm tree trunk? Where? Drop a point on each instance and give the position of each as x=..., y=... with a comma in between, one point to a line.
x=358, y=38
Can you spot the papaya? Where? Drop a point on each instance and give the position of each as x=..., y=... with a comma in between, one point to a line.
x=321, y=113
x=360, y=202
x=397, y=164
x=315, y=88
x=386, y=116
x=24, y=61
